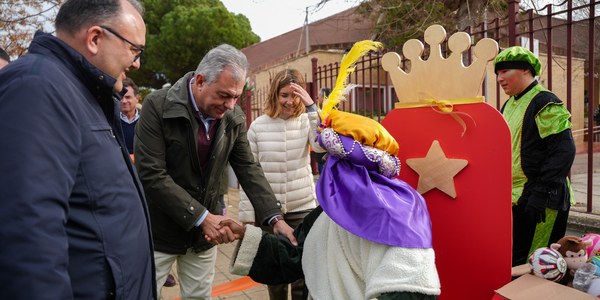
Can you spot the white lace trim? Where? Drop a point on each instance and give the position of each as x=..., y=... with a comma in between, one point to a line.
x=388, y=164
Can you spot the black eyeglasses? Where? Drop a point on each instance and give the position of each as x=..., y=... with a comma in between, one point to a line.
x=138, y=48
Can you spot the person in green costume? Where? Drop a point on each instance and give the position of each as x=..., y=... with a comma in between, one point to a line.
x=543, y=152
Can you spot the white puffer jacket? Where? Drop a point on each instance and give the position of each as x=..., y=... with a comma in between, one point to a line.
x=282, y=148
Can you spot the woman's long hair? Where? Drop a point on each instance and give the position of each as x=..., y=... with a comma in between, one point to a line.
x=281, y=80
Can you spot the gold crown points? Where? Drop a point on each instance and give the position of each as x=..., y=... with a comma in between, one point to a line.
x=438, y=77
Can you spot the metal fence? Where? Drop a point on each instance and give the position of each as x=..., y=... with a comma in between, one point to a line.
x=564, y=36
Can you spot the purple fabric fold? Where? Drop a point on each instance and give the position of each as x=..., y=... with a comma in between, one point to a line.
x=380, y=209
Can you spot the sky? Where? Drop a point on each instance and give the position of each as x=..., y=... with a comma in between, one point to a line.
x=270, y=18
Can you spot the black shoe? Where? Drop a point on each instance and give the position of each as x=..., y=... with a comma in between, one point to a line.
x=170, y=281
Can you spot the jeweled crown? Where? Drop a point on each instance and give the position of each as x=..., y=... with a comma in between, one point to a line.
x=438, y=77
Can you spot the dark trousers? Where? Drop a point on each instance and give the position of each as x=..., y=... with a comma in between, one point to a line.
x=560, y=226
x=524, y=230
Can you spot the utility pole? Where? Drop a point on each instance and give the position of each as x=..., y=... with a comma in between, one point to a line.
x=304, y=31
x=306, y=28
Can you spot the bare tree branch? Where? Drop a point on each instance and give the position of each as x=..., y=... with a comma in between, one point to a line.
x=19, y=19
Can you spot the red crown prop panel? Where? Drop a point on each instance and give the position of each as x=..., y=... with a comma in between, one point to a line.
x=458, y=152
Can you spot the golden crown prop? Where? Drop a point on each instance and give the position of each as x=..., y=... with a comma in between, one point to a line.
x=438, y=80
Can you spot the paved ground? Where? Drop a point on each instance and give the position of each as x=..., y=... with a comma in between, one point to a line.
x=579, y=222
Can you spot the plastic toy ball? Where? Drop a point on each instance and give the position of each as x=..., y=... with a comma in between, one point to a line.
x=548, y=263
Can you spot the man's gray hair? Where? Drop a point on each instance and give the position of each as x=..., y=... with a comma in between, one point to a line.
x=75, y=15
x=221, y=57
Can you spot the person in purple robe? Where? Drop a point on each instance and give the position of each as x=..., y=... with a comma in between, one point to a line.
x=369, y=238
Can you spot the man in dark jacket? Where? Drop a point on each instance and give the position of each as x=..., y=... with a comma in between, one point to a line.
x=543, y=152
x=74, y=219
x=186, y=135
x=129, y=112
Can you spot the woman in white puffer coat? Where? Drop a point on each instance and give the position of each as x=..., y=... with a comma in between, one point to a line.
x=280, y=141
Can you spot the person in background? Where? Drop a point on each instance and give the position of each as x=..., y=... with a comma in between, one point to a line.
x=542, y=155
x=280, y=141
x=74, y=219
x=320, y=157
x=4, y=58
x=129, y=112
x=323, y=93
x=223, y=189
x=597, y=115
x=186, y=135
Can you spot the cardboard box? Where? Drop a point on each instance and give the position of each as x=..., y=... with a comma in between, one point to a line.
x=529, y=287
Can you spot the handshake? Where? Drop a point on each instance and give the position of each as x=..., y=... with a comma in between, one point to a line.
x=222, y=230
x=227, y=231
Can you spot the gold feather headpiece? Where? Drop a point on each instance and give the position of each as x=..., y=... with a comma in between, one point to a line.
x=347, y=66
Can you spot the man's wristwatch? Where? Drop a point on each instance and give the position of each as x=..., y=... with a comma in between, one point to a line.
x=274, y=220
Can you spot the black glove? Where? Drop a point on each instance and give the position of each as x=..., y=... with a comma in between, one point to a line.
x=536, y=206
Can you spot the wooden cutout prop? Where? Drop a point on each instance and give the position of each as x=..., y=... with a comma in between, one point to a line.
x=436, y=170
x=440, y=100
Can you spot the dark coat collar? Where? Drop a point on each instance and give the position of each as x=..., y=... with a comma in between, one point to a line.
x=98, y=82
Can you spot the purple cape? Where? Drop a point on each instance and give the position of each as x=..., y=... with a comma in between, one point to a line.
x=380, y=209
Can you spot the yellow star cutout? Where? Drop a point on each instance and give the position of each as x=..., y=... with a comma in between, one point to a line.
x=436, y=170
